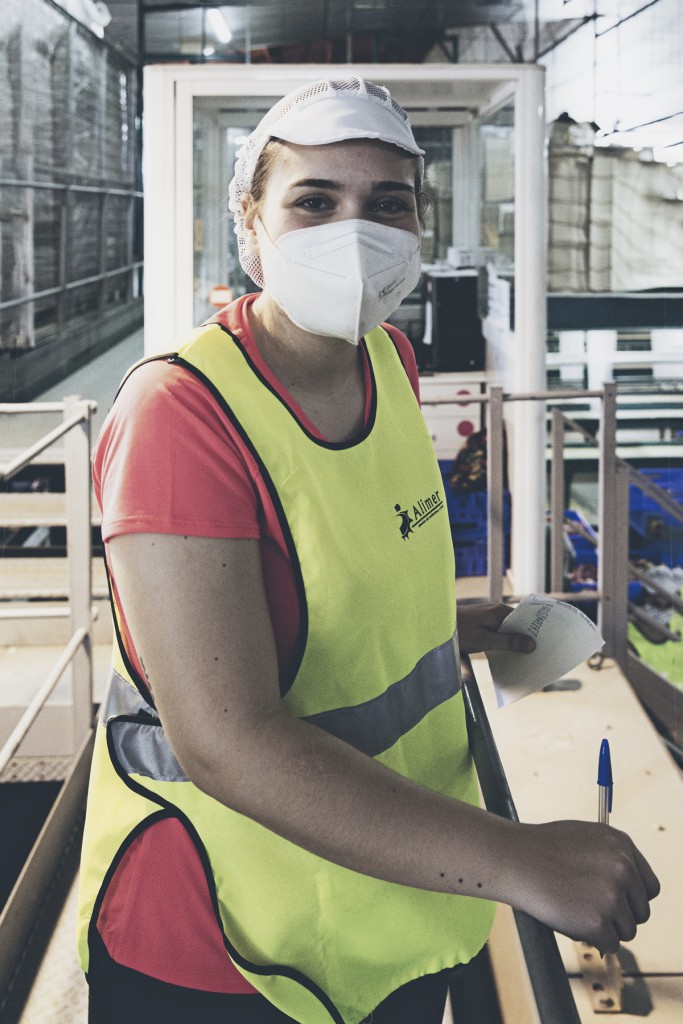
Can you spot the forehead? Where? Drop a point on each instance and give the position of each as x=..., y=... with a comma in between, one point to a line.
x=351, y=161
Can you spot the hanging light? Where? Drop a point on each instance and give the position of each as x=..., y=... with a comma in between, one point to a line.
x=219, y=24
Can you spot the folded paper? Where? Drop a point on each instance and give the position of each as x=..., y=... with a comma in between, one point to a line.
x=564, y=638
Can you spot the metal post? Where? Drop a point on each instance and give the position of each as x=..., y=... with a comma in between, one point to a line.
x=527, y=421
x=77, y=485
x=557, y=504
x=494, y=472
x=64, y=219
x=466, y=186
x=104, y=229
x=102, y=114
x=612, y=528
x=620, y=567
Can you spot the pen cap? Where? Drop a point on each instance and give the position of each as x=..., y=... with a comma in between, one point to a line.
x=605, y=765
x=605, y=770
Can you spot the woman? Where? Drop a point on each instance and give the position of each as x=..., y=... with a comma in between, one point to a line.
x=301, y=839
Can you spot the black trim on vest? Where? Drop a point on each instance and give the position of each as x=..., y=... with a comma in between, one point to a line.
x=331, y=445
x=290, y=672
x=118, y=857
x=171, y=811
x=135, y=676
x=169, y=356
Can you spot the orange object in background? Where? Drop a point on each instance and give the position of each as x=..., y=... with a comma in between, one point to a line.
x=220, y=295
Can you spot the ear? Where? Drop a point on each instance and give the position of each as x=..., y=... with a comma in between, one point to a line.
x=249, y=214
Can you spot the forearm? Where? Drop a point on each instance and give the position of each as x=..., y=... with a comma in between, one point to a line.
x=329, y=798
x=210, y=660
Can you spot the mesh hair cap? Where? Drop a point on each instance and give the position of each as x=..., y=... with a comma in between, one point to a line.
x=330, y=110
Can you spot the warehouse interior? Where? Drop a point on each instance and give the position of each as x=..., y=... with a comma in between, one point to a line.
x=547, y=327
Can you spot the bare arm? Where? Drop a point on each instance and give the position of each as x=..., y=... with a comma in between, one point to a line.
x=197, y=611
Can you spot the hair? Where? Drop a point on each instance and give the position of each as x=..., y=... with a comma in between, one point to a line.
x=268, y=156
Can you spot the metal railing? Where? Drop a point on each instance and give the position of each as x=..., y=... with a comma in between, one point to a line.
x=549, y=982
x=21, y=917
x=548, y=977
x=75, y=429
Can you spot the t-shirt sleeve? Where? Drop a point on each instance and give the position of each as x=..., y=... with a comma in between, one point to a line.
x=407, y=356
x=168, y=461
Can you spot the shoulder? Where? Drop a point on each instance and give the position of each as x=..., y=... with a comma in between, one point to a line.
x=156, y=397
x=406, y=355
x=163, y=420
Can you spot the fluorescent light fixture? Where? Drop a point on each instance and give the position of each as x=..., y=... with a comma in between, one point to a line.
x=208, y=51
x=219, y=24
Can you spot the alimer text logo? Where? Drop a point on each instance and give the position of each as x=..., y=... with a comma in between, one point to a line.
x=420, y=513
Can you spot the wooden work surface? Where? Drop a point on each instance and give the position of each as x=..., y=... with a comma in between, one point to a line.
x=21, y=509
x=549, y=744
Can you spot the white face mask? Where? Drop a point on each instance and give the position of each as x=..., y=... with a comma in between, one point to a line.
x=342, y=279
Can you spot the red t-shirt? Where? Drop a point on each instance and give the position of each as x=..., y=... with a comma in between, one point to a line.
x=169, y=461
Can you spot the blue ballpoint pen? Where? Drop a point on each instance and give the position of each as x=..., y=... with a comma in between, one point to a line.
x=605, y=785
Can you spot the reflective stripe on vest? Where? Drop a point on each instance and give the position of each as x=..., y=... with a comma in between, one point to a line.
x=368, y=537
x=372, y=727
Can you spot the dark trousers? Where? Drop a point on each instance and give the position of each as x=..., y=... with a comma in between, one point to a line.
x=119, y=995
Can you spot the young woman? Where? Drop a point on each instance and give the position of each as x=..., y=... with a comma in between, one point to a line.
x=283, y=820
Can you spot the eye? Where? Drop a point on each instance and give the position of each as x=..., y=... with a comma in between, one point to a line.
x=391, y=204
x=314, y=204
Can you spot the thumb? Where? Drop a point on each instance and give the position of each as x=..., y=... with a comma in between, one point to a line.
x=518, y=642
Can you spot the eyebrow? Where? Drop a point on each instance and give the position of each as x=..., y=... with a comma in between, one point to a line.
x=334, y=186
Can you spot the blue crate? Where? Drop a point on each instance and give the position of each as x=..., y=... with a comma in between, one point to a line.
x=468, y=511
x=667, y=477
x=661, y=550
x=644, y=511
x=471, y=556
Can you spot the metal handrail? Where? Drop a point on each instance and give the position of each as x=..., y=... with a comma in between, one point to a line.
x=547, y=974
x=78, y=651
x=514, y=396
x=71, y=285
x=17, y=735
x=24, y=458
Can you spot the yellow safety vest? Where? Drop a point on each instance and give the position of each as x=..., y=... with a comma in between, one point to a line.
x=367, y=530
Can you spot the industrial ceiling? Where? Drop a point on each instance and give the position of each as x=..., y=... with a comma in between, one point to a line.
x=333, y=30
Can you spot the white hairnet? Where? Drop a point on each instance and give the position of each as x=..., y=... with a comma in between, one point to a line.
x=329, y=110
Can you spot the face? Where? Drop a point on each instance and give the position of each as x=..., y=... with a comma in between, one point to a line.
x=312, y=185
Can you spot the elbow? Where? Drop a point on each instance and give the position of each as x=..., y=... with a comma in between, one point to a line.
x=227, y=765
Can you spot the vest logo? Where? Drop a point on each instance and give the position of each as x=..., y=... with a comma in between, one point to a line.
x=422, y=512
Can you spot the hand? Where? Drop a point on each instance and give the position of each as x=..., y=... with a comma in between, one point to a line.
x=584, y=879
x=478, y=627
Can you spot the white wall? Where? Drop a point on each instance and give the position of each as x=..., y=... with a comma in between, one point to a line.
x=624, y=77
x=630, y=74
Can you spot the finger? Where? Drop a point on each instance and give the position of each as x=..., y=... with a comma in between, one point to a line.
x=518, y=642
x=492, y=615
x=640, y=907
x=650, y=880
x=625, y=925
x=607, y=940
